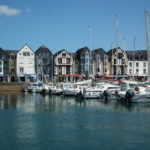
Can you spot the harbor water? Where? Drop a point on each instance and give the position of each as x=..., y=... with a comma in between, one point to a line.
x=30, y=121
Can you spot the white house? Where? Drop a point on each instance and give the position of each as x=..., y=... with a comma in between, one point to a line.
x=1, y=67
x=26, y=64
x=138, y=64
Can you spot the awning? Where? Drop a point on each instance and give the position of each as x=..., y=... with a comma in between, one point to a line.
x=107, y=75
x=71, y=75
x=27, y=75
x=3, y=75
x=120, y=76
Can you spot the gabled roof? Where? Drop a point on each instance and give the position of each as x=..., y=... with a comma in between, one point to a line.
x=43, y=49
x=8, y=52
x=113, y=51
x=138, y=55
x=26, y=45
x=82, y=50
x=99, y=51
x=1, y=53
x=57, y=53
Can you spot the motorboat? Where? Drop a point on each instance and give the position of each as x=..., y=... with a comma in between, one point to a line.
x=56, y=90
x=135, y=92
x=100, y=90
x=71, y=89
x=35, y=87
x=47, y=87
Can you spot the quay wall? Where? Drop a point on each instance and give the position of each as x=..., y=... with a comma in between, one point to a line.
x=4, y=87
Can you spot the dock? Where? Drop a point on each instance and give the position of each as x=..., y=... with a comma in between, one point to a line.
x=15, y=86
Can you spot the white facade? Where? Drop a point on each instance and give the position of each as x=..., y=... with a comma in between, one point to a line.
x=138, y=68
x=63, y=63
x=26, y=62
x=1, y=67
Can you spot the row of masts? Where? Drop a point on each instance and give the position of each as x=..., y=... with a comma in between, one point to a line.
x=118, y=45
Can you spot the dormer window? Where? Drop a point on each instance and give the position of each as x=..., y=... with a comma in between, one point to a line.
x=63, y=54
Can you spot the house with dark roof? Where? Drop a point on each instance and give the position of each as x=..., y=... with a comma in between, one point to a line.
x=44, y=63
x=83, y=61
x=1, y=64
x=137, y=64
x=118, y=62
x=11, y=65
x=63, y=63
x=100, y=62
x=8, y=65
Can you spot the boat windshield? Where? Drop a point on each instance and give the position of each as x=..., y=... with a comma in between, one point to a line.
x=125, y=86
x=68, y=86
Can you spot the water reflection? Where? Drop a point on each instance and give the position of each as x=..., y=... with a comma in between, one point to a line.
x=33, y=102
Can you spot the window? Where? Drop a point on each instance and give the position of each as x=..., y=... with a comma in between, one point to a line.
x=0, y=63
x=12, y=56
x=137, y=64
x=60, y=60
x=68, y=70
x=123, y=61
x=68, y=61
x=114, y=61
x=144, y=64
x=63, y=54
x=137, y=71
x=120, y=55
x=144, y=71
x=130, y=64
x=82, y=61
x=130, y=71
x=12, y=70
x=21, y=70
x=12, y=64
x=26, y=53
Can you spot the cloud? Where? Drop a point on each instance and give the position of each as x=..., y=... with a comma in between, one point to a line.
x=6, y=10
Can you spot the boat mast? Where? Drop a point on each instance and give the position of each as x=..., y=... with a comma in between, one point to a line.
x=112, y=69
x=124, y=63
x=117, y=32
x=134, y=59
x=147, y=41
x=90, y=45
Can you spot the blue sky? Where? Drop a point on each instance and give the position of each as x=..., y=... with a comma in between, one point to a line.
x=64, y=24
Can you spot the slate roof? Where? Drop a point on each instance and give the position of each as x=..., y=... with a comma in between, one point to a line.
x=99, y=51
x=43, y=49
x=112, y=51
x=61, y=51
x=81, y=50
x=138, y=55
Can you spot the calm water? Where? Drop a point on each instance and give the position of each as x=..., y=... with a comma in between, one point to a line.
x=37, y=122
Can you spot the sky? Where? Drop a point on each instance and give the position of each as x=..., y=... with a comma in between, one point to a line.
x=73, y=24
